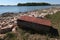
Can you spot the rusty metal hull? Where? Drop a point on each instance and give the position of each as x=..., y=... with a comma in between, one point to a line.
x=44, y=29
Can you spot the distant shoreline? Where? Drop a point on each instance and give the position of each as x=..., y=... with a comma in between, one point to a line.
x=47, y=10
x=17, y=9
x=32, y=11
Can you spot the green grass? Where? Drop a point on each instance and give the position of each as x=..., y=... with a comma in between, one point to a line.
x=55, y=19
x=23, y=35
x=10, y=36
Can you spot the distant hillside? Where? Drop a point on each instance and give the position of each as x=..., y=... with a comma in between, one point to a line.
x=33, y=4
x=55, y=4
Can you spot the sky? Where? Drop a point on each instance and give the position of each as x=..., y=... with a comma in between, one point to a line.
x=15, y=2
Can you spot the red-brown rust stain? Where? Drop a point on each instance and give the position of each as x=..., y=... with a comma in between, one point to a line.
x=36, y=20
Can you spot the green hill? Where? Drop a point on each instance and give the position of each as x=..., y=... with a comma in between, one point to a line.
x=33, y=4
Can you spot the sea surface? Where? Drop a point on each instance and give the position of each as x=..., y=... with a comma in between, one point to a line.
x=17, y=9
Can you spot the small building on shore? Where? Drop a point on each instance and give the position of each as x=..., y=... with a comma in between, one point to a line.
x=39, y=25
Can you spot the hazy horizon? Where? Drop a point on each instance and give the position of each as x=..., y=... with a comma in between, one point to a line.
x=15, y=2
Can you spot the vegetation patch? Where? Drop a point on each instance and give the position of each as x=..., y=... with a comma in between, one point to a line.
x=55, y=19
x=33, y=4
x=11, y=36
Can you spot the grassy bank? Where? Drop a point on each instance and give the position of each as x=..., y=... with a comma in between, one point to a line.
x=23, y=35
x=55, y=19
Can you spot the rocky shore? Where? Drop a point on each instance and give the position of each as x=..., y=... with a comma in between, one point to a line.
x=8, y=20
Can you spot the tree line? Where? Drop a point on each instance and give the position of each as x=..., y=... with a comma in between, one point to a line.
x=33, y=4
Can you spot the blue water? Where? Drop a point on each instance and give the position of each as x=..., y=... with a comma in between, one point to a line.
x=16, y=9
